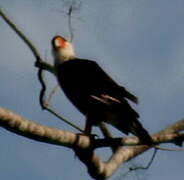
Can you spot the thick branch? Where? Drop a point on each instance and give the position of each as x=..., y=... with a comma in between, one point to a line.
x=176, y=127
x=21, y=126
x=101, y=170
x=83, y=145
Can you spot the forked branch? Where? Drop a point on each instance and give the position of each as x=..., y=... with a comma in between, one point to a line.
x=84, y=146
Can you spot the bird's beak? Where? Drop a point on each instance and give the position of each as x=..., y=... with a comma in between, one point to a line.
x=58, y=42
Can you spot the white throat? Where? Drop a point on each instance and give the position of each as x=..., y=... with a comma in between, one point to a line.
x=64, y=54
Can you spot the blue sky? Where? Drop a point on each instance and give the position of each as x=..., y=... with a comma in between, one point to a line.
x=139, y=43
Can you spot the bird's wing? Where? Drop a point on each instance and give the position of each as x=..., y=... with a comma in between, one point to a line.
x=105, y=85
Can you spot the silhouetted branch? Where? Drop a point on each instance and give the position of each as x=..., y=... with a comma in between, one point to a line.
x=148, y=165
x=72, y=6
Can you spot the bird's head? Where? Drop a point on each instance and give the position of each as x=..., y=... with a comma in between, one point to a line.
x=62, y=49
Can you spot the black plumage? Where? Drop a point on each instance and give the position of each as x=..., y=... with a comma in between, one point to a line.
x=99, y=97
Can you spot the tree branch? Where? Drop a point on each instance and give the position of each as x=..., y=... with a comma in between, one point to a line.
x=83, y=145
x=39, y=60
x=20, y=34
x=42, y=65
x=21, y=126
x=176, y=127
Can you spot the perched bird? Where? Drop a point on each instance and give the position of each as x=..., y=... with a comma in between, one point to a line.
x=94, y=93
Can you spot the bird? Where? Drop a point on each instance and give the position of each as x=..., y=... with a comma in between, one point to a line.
x=94, y=93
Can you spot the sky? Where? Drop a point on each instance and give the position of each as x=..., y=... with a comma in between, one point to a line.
x=139, y=43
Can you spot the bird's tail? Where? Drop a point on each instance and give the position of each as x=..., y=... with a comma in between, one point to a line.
x=133, y=127
x=137, y=129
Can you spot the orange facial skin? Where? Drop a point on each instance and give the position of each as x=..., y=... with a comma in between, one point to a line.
x=59, y=42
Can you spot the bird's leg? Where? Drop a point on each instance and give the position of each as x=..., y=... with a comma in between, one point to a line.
x=88, y=127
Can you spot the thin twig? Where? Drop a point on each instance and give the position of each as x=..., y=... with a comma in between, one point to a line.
x=43, y=88
x=169, y=149
x=70, y=23
x=21, y=35
x=45, y=104
x=41, y=64
x=63, y=119
x=51, y=94
x=73, y=6
x=148, y=165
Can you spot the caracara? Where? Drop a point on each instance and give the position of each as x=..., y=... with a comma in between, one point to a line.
x=94, y=92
